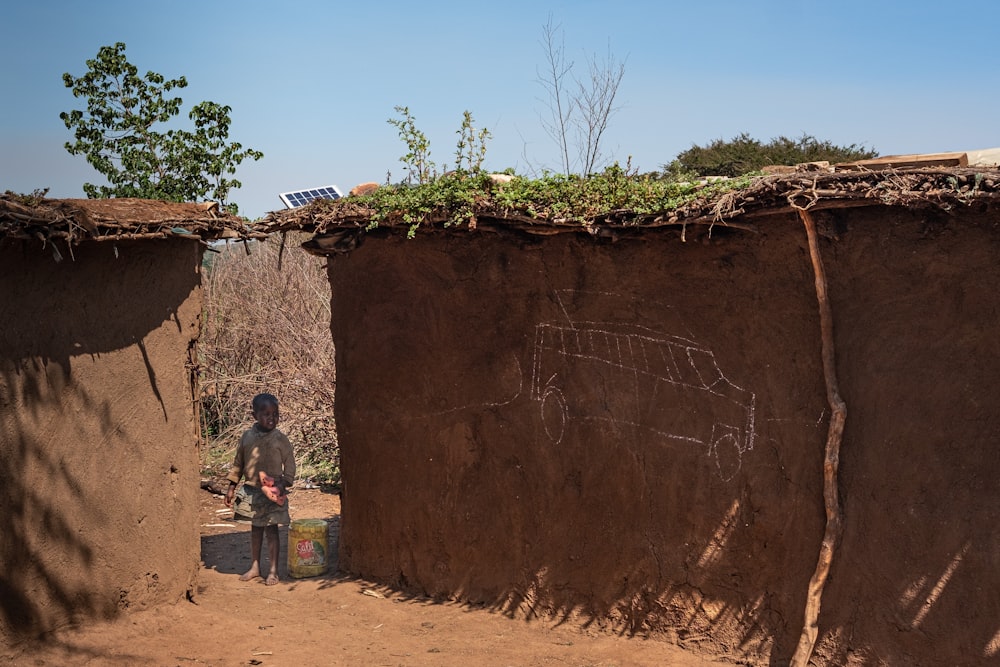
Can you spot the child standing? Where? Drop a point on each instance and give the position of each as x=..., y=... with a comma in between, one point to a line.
x=264, y=458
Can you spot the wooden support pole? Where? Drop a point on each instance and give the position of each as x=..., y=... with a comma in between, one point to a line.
x=831, y=462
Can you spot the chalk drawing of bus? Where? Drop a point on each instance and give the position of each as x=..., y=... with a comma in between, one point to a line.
x=628, y=374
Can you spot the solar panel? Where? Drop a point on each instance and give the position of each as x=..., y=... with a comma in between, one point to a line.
x=297, y=198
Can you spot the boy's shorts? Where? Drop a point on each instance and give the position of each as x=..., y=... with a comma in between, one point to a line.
x=266, y=512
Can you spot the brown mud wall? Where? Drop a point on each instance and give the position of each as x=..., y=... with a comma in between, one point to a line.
x=98, y=450
x=633, y=432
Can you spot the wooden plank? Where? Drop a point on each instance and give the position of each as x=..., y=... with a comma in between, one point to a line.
x=916, y=160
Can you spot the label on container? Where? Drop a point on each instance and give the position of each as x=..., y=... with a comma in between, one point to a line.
x=310, y=552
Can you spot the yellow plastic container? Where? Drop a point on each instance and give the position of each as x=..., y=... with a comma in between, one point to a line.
x=307, y=546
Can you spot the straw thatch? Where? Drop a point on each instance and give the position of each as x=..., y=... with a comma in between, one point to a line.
x=338, y=227
x=74, y=221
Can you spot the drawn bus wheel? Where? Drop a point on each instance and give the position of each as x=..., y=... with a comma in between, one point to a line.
x=554, y=414
x=726, y=452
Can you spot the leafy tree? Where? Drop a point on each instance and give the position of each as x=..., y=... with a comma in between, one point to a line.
x=743, y=154
x=117, y=135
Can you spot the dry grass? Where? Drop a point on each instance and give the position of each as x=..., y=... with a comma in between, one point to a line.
x=268, y=330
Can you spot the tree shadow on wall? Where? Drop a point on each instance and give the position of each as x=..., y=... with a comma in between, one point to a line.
x=56, y=459
x=40, y=495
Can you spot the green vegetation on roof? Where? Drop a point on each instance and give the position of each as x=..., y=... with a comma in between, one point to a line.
x=460, y=197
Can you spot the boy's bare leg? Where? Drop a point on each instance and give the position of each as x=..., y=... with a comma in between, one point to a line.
x=256, y=542
x=272, y=552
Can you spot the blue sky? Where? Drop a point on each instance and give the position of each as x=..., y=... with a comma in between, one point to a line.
x=312, y=84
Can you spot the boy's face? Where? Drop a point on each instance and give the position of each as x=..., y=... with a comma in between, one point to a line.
x=267, y=417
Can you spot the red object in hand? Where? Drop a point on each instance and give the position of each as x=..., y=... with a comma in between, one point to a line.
x=270, y=490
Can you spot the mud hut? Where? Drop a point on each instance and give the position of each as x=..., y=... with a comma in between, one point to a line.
x=98, y=445
x=696, y=424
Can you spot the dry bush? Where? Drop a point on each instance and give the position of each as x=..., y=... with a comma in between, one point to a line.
x=267, y=329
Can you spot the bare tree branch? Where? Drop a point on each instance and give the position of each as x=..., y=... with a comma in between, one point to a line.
x=560, y=106
x=583, y=108
x=596, y=101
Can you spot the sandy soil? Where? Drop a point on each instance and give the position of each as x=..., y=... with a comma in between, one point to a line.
x=327, y=620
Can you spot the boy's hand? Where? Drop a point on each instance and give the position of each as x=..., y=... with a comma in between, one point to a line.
x=229, y=495
x=273, y=489
x=275, y=494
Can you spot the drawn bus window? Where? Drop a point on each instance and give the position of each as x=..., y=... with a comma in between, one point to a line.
x=627, y=374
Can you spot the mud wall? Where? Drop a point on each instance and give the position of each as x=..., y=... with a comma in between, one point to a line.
x=633, y=432
x=98, y=450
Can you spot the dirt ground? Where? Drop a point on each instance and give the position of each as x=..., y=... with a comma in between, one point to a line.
x=331, y=619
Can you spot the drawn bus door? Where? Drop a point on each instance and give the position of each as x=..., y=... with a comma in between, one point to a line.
x=693, y=365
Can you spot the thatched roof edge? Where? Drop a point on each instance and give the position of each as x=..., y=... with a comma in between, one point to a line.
x=74, y=221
